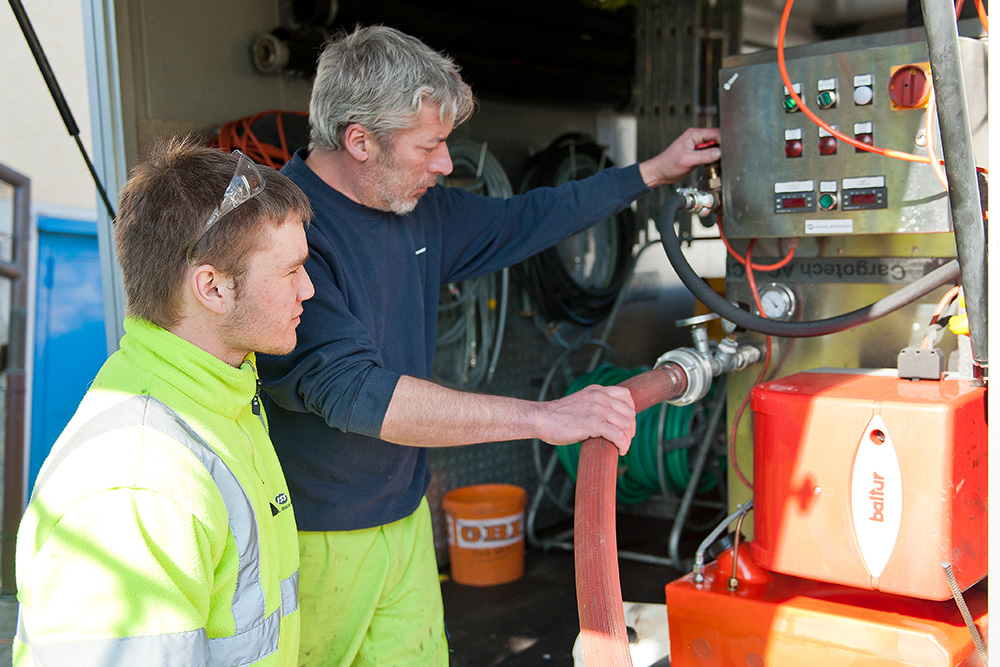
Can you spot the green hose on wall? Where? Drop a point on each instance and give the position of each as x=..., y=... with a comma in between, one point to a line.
x=638, y=471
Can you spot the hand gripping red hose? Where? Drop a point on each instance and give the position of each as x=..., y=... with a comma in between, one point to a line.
x=598, y=587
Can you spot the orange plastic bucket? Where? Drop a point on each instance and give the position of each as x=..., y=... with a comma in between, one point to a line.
x=486, y=533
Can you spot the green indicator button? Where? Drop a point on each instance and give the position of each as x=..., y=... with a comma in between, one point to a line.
x=826, y=99
x=827, y=201
x=790, y=104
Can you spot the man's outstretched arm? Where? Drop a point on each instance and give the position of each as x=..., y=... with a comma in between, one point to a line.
x=425, y=414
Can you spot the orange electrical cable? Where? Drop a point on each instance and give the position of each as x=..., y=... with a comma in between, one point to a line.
x=757, y=267
x=751, y=280
x=983, y=18
x=752, y=284
x=239, y=134
x=899, y=155
x=739, y=415
x=935, y=162
x=948, y=297
x=929, y=137
x=888, y=152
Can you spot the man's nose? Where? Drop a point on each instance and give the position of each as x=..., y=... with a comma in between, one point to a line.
x=441, y=160
x=306, y=289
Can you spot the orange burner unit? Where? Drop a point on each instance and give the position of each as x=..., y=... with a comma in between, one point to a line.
x=775, y=620
x=871, y=481
x=865, y=487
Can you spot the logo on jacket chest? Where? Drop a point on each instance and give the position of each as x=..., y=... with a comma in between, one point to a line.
x=280, y=504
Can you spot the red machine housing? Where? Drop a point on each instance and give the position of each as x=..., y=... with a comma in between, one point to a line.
x=870, y=481
x=775, y=620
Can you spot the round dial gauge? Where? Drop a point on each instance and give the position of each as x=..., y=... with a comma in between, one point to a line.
x=777, y=301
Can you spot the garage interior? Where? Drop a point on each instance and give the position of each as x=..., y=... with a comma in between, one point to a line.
x=763, y=454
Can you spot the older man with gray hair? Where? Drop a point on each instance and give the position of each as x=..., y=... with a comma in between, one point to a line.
x=352, y=409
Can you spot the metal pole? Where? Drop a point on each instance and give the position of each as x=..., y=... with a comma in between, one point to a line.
x=57, y=96
x=14, y=400
x=960, y=166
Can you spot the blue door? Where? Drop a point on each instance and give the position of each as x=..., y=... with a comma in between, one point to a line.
x=70, y=343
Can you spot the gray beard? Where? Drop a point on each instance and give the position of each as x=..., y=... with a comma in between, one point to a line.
x=383, y=189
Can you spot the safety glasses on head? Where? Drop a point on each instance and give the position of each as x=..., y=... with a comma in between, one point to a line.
x=247, y=183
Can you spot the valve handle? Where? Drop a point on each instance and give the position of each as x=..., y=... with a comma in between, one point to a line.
x=697, y=320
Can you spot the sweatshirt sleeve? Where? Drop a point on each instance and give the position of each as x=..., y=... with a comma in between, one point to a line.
x=335, y=371
x=490, y=234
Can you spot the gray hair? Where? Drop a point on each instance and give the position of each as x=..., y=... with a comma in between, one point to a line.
x=380, y=78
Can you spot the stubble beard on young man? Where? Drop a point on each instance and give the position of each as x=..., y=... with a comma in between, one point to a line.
x=244, y=326
x=252, y=327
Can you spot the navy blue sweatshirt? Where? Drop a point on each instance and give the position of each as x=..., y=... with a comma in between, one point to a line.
x=374, y=319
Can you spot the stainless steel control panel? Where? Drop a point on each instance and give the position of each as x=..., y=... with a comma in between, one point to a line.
x=784, y=176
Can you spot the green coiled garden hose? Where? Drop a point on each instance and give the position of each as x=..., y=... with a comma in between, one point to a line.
x=638, y=470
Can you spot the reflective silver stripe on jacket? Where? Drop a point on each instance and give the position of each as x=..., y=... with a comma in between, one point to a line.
x=256, y=636
x=290, y=594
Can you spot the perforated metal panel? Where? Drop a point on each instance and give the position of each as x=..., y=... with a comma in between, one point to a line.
x=525, y=359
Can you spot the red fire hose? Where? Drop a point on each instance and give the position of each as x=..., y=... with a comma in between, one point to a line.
x=598, y=588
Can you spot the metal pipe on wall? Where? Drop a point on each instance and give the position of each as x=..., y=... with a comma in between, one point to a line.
x=14, y=400
x=960, y=167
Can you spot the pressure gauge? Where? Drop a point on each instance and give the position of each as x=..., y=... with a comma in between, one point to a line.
x=777, y=301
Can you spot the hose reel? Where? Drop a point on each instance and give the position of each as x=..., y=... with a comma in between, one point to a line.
x=579, y=278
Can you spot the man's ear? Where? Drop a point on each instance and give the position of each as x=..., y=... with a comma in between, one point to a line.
x=358, y=142
x=212, y=288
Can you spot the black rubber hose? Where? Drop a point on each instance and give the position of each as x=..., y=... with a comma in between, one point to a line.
x=708, y=296
x=545, y=276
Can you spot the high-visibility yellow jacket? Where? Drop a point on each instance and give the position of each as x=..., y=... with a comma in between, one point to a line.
x=160, y=531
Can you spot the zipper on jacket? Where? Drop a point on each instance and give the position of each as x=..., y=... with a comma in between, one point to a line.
x=255, y=402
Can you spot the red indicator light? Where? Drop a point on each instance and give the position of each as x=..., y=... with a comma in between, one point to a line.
x=865, y=138
x=827, y=145
x=860, y=200
x=793, y=148
x=793, y=202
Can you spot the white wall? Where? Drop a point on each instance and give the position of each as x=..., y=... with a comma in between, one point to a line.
x=186, y=66
x=35, y=141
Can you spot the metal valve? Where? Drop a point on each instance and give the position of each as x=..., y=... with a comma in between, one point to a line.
x=697, y=201
x=701, y=363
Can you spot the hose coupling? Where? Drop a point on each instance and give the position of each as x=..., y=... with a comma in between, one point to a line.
x=696, y=367
x=697, y=201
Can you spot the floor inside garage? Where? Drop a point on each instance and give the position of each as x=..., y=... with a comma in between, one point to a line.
x=534, y=620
